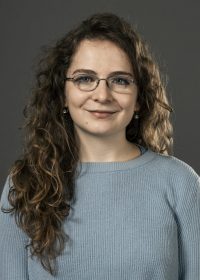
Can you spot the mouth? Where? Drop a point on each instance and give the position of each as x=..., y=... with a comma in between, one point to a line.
x=99, y=111
x=101, y=114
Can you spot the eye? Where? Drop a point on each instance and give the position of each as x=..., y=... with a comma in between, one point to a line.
x=84, y=79
x=123, y=81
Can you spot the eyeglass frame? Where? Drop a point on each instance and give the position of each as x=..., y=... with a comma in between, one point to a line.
x=97, y=80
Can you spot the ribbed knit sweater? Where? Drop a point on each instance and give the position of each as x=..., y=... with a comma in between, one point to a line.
x=132, y=220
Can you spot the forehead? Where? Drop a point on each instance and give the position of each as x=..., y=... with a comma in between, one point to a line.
x=100, y=55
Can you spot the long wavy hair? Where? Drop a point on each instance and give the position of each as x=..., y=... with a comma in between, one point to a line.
x=43, y=178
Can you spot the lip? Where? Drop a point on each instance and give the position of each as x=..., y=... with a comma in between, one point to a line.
x=101, y=115
x=101, y=111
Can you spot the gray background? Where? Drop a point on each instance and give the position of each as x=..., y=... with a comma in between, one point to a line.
x=170, y=27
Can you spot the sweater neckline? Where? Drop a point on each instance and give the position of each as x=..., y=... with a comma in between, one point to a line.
x=94, y=167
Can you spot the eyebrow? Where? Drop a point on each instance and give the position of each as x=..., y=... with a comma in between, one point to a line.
x=89, y=71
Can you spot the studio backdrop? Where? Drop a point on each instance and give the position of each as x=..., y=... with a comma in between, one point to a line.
x=171, y=29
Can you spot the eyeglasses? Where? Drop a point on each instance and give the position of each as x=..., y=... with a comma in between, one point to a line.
x=117, y=83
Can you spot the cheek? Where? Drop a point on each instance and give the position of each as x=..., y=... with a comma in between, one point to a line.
x=71, y=97
x=129, y=108
x=66, y=95
x=128, y=104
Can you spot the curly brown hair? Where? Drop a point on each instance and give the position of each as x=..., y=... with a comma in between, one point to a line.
x=43, y=179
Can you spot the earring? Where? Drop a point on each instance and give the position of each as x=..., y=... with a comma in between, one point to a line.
x=132, y=129
x=136, y=116
x=65, y=111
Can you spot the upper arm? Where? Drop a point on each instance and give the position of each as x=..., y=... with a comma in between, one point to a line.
x=13, y=257
x=188, y=215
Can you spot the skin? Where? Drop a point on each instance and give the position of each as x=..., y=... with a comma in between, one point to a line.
x=101, y=140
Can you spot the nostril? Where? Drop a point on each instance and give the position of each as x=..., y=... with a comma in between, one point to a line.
x=102, y=95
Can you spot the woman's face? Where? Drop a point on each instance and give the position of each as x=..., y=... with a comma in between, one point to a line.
x=102, y=58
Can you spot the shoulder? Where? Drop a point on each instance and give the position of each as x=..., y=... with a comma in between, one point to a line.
x=178, y=175
x=181, y=181
x=4, y=195
x=174, y=167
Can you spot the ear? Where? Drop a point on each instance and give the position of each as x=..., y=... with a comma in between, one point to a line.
x=137, y=107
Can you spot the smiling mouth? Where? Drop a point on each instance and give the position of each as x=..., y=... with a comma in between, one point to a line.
x=101, y=115
x=97, y=111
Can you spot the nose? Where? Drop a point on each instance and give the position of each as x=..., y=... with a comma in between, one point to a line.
x=102, y=92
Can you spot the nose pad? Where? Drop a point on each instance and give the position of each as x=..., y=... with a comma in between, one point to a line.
x=102, y=91
x=106, y=82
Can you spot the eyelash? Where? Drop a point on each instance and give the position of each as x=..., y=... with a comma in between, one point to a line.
x=125, y=80
x=85, y=78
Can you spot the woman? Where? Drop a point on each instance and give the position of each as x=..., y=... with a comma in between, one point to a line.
x=97, y=193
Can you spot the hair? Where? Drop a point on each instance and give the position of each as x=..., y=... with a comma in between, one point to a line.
x=43, y=178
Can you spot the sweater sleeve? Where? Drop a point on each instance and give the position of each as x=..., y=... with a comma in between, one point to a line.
x=188, y=216
x=13, y=257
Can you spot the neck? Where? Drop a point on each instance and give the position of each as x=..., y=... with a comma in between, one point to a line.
x=107, y=149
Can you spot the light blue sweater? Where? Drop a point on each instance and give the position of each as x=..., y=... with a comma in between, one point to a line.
x=133, y=220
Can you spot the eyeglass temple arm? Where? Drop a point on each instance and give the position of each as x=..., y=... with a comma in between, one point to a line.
x=68, y=79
